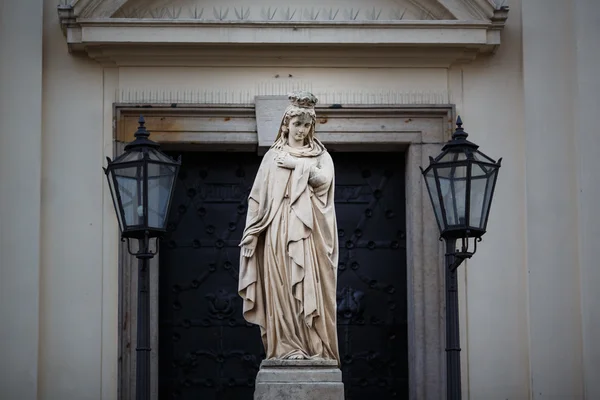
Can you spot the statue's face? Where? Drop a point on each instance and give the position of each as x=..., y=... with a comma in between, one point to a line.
x=299, y=128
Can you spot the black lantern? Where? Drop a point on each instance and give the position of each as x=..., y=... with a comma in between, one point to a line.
x=461, y=183
x=142, y=181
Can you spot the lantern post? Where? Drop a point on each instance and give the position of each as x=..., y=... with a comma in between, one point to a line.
x=460, y=182
x=142, y=182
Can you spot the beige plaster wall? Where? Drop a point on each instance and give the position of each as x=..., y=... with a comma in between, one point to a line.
x=494, y=299
x=241, y=84
x=552, y=260
x=78, y=284
x=561, y=104
x=587, y=148
x=20, y=169
x=562, y=142
x=531, y=319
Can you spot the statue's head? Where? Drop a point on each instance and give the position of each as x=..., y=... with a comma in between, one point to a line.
x=301, y=111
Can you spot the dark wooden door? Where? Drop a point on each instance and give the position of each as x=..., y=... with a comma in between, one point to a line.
x=206, y=349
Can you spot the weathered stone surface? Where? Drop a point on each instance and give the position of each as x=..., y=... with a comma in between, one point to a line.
x=269, y=110
x=299, y=380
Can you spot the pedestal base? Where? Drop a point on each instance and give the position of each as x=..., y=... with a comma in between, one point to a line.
x=299, y=380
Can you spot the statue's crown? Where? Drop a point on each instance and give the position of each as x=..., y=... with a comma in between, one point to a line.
x=303, y=99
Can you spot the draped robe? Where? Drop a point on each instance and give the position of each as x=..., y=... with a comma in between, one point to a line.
x=288, y=286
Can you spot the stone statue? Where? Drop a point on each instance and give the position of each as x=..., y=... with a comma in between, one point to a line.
x=289, y=248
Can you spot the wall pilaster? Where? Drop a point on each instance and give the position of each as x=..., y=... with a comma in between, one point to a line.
x=549, y=75
x=20, y=195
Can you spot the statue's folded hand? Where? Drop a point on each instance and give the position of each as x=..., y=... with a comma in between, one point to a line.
x=286, y=161
x=248, y=245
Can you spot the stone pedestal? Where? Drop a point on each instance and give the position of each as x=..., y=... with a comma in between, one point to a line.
x=299, y=380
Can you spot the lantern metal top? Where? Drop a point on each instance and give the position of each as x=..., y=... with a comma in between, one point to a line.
x=459, y=138
x=459, y=144
x=141, y=137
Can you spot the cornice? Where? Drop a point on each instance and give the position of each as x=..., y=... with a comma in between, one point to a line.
x=161, y=40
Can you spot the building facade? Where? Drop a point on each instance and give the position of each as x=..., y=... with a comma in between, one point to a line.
x=391, y=77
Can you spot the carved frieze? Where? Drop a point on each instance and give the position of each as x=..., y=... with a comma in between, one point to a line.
x=288, y=11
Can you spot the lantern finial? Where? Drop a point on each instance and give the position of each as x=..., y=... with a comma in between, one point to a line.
x=141, y=130
x=459, y=133
x=141, y=137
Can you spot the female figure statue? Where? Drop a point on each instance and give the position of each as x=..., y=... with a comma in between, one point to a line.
x=288, y=263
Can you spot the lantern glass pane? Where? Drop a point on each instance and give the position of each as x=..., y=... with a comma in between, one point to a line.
x=111, y=184
x=453, y=184
x=479, y=156
x=453, y=157
x=478, y=193
x=129, y=156
x=479, y=171
x=160, y=182
x=157, y=155
x=487, y=200
x=435, y=197
x=130, y=186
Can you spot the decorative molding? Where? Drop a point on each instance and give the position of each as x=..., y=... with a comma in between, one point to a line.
x=192, y=36
x=286, y=14
x=103, y=8
x=88, y=8
x=247, y=97
x=437, y=11
x=420, y=10
x=400, y=38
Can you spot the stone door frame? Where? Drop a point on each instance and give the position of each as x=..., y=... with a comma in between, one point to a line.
x=417, y=130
